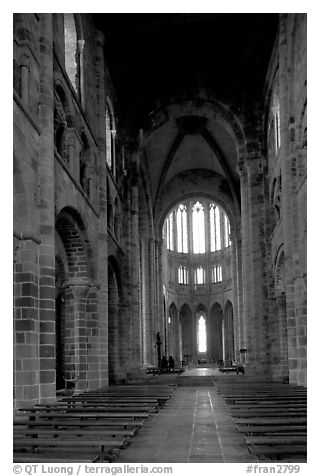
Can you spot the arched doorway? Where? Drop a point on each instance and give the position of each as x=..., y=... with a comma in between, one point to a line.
x=73, y=277
x=201, y=321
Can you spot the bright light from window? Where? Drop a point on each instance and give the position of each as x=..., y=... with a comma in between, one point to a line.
x=198, y=228
x=182, y=236
x=215, y=232
x=199, y=275
x=227, y=241
x=202, y=342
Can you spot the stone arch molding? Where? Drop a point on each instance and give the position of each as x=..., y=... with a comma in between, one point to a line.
x=279, y=272
x=77, y=249
x=202, y=107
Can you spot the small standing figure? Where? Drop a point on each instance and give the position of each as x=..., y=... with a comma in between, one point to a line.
x=171, y=362
x=164, y=362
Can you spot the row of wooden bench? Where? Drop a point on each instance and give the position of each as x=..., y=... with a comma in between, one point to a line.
x=90, y=426
x=272, y=416
x=158, y=370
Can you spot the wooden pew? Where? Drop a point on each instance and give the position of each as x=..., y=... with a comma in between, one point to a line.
x=61, y=422
x=300, y=420
x=276, y=440
x=267, y=411
x=20, y=457
x=20, y=431
x=94, y=408
x=47, y=413
x=89, y=426
x=297, y=453
x=77, y=444
x=272, y=429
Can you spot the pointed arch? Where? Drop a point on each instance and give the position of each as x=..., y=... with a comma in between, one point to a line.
x=114, y=325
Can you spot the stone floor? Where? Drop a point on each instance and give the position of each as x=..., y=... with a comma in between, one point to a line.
x=193, y=427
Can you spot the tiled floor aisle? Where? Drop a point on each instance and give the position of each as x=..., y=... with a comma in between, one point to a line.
x=193, y=427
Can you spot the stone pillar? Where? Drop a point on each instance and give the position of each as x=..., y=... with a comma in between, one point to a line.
x=102, y=237
x=26, y=320
x=114, y=338
x=151, y=328
x=81, y=68
x=287, y=197
x=47, y=213
x=237, y=318
x=283, y=337
x=76, y=334
x=146, y=250
x=245, y=264
x=135, y=264
x=158, y=292
x=124, y=314
x=93, y=337
x=253, y=241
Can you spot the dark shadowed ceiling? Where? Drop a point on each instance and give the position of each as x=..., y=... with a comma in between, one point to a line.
x=155, y=57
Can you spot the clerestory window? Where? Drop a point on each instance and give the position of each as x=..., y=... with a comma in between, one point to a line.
x=182, y=229
x=198, y=228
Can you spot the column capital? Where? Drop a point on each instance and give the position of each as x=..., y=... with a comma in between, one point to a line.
x=79, y=288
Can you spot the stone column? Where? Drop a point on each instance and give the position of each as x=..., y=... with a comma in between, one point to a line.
x=124, y=314
x=76, y=334
x=278, y=338
x=254, y=249
x=81, y=68
x=102, y=233
x=147, y=247
x=158, y=291
x=47, y=213
x=237, y=318
x=245, y=262
x=151, y=328
x=26, y=320
x=283, y=335
x=92, y=322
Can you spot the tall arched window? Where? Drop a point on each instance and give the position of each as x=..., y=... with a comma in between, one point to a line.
x=216, y=276
x=71, y=50
x=182, y=229
x=198, y=229
x=182, y=275
x=227, y=231
x=110, y=137
x=202, y=334
x=170, y=232
x=215, y=229
x=199, y=276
